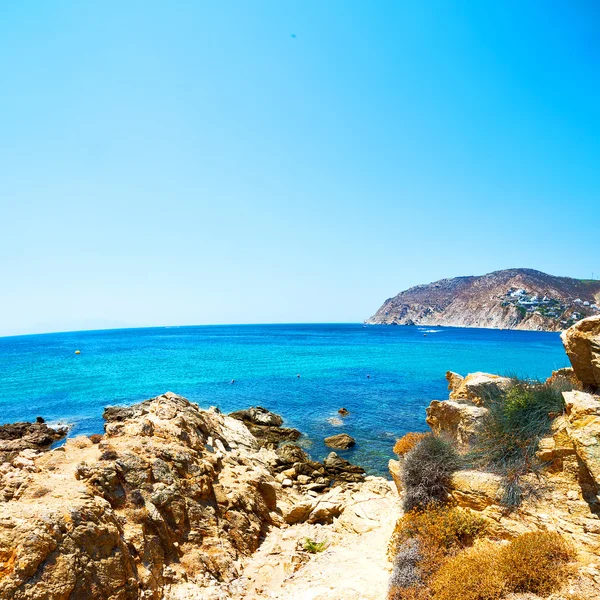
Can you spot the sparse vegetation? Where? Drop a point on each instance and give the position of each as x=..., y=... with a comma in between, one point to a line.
x=313, y=546
x=407, y=442
x=421, y=542
x=536, y=562
x=473, y=574
x=518, y=418
x=426, y=472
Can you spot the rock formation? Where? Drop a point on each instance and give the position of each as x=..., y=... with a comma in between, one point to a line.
x=340, y=441
x=170, y=503
x=582, y=343
x=567, y=497
x=461, y=416
x=509, y=299
x=266, y=426
x=15, y=437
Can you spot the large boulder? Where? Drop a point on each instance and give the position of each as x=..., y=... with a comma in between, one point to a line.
x=475, y=387
x=341, y=441
x=582, y=344
x=460, y=421
x=266, y=427
x=258, y=415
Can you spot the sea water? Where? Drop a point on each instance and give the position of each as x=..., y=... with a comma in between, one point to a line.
x=384, y=375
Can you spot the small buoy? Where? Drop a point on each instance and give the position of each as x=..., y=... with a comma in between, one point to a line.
x=424, y=335
x=368, y=377
x=298, y=375
x=77, y=351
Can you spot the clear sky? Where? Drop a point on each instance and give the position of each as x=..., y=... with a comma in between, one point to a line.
x=234, y=162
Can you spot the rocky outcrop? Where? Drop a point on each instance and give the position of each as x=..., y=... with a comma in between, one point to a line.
x=582, y=343
x=460, y=421
x=266, y=426
x=173, y=500
x=476, y=387
x=15, y=437
x=567, y=490
x=508, y=299
x=341, y=441
x=461, y=417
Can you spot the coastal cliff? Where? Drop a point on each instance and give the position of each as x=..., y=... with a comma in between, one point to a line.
x=508, y=299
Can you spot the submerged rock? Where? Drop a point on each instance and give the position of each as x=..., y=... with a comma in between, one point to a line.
x=341, y=441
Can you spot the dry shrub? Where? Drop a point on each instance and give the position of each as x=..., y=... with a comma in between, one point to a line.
x=407, y=442
x=413, y=593
x=473, y=574
x=537, y=562
x=441, y=526
x=421, y=542
x=96, y=438
x=426, y=472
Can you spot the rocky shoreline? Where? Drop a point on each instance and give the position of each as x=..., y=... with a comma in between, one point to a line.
x=172, y=502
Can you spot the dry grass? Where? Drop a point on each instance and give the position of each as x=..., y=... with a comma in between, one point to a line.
x=537, y=562
x=440, y=526
x=407, y=442
x=422, y=541
x=473, y=574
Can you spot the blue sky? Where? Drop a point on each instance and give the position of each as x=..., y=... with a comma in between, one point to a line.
x=236, y=162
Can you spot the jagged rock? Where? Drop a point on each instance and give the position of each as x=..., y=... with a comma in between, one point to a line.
x=344, y=412
x=341, y=469
x=15, y=437
x=582, y=344
x=257, y=415
x=265, y=426
x=171, y=499
x=476, y=386
x=341, y=441
x=460, y=421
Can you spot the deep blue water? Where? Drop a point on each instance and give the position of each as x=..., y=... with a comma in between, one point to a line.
x=41, y=374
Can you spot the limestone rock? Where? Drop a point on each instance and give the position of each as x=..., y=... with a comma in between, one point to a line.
x=341, y=441
x=582, y=344
x=459, y=420
x=475, y=386
x=583, y=411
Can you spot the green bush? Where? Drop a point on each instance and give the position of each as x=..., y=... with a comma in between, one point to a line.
x=507, y=444
x=313, y=546
x=426, y=472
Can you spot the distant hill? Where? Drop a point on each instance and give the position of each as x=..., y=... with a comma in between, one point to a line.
x=508, y=299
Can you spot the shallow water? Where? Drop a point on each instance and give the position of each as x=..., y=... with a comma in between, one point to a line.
x=42, y=375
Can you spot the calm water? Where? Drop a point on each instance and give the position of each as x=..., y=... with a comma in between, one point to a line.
x=41, y=375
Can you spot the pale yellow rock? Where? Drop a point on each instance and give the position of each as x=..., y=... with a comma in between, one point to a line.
x=582, y=344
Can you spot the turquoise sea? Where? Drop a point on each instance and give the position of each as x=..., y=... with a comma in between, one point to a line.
x=42, y=375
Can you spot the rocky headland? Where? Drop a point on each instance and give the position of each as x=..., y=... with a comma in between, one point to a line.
x=508, y=299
